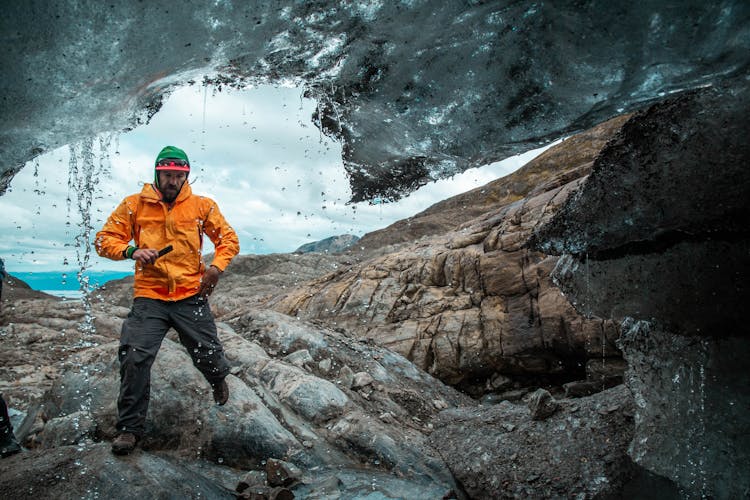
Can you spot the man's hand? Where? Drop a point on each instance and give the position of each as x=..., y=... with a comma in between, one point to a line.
x=145, y=255
x=208, y=282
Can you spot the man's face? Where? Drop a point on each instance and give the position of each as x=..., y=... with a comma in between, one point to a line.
x=170, y=183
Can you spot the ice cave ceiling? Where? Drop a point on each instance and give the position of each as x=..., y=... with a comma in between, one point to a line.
x=414, y=90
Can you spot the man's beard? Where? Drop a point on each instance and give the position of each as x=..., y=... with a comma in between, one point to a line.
x=169, y=196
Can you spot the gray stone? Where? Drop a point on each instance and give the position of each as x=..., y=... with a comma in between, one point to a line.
x=299, y=358
x=347, y=483
x=244, y=432
x=691, y=418
x=325, y=365
x=68, y=430
x=580, y=388
x=281, y=473
x=346, y=376
x=361, y=380
x=397, y=449
x=439, y=404
x=514, y=395
x=315, y=399
x=542, y=405
x=498, y=382
x=251, y=479
x=76, y=471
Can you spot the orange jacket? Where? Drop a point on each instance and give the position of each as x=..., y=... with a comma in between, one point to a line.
x=146, y=220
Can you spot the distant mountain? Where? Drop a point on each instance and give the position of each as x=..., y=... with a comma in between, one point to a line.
x=334, y=244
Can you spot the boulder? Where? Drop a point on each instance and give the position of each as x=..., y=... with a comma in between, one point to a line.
x=502, y=451
x=542, y=405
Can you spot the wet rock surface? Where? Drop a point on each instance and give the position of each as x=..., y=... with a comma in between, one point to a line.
x=301, y=415
x=91, y=471
x=414, y=90
x=665, y=208
x=502, y=451
x=657, y=237
x=692, y=395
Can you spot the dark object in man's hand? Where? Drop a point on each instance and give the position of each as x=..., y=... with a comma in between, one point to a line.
x=165, y=250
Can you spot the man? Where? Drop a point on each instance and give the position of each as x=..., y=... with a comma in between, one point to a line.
x=166, y=222
x=2, y=279
x=8, y=443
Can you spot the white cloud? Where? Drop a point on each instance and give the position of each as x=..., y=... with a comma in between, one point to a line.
x=277, y=180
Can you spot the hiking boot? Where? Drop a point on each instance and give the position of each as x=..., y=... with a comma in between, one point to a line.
x=9, y=446
x=221, y=392
x=124, y=443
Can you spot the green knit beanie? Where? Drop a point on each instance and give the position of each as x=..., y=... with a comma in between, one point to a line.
x=171, y=152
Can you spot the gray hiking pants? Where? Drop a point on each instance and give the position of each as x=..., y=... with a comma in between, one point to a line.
x=142, y=334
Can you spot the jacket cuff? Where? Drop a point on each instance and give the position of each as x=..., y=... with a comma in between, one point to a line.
x=128, y=252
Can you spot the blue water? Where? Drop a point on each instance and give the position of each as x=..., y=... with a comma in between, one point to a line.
x=65, y=284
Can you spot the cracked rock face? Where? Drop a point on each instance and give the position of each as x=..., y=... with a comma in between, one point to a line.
x=473, y=302
x=414, y=90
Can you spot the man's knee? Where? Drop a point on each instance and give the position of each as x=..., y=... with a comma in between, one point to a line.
x=135, y=357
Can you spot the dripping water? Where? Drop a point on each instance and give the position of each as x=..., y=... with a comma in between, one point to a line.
x=84, y=174
x=700, y=476
x=89, y=163
x=587, y=295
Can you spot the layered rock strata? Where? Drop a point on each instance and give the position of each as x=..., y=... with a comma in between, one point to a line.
x=472, y=303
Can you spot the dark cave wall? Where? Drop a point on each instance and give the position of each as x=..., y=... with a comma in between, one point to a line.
x=658, y=239
x=418, y=89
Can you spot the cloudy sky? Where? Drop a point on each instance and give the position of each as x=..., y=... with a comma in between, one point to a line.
x=277, y=180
